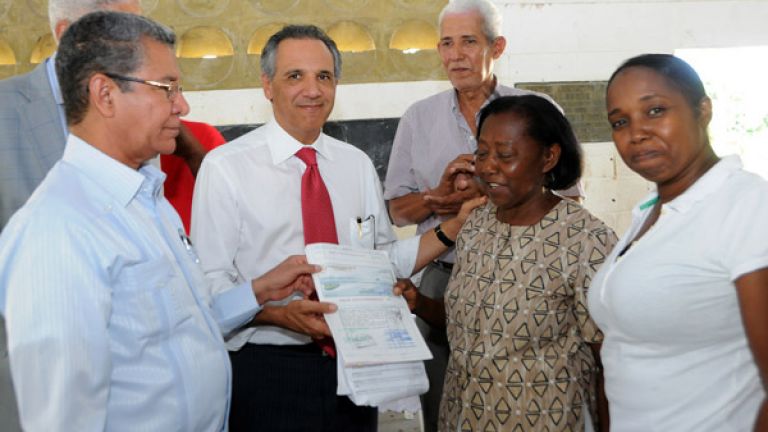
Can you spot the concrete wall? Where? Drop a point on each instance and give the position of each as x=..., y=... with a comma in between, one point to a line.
x=556, y=40
x=581, y=40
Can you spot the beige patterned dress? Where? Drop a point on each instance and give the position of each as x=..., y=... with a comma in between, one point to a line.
x=518, y=323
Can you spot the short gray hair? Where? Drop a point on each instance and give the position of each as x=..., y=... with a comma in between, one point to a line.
x=487, y=10
x=72, y=10
x=269, y=52
x=102, y=42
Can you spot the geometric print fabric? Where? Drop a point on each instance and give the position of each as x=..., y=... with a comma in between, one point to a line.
x=517, y=322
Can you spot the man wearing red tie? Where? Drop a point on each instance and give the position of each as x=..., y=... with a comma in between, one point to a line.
x=265, y=196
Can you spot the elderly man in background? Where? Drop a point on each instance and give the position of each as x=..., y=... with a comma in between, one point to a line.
x=111, y=325
x=436, y=138
x=33, y=128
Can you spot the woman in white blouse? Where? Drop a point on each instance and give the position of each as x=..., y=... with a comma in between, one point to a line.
x=683, y=298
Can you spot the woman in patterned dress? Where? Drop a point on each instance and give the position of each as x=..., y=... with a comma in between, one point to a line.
x=515, y=307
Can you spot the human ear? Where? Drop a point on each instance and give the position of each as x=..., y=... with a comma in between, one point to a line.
x=705, y=112
x=266, y=84
x=498, y=46
x=551, y=157
x=59, y=29
x=101, y=91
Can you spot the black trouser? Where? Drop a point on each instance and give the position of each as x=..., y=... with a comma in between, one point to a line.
x=291, y=388
x=433, y=283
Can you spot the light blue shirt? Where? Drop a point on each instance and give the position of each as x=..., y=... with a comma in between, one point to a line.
x=111, y=325
x=53, y=79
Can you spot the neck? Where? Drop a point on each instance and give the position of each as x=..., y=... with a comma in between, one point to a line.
x=672, y=188
x=300, y=135
x=530, y=211
x=470, y=101
x=102, y=140
x=476, y=96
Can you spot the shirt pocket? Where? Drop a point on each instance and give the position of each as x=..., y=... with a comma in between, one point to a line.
x=362, y=232
x=140, y=301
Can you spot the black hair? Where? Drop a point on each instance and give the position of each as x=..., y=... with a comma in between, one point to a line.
x=546, y=125
x=102, y=42
x=675, y=70
x=269, y=52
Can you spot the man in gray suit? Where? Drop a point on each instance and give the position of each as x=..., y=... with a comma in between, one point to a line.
x=32, y=136
x=32, y=125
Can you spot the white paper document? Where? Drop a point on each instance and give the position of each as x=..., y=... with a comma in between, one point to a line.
x=371, y=325
x=379, y=347
x=393, y=387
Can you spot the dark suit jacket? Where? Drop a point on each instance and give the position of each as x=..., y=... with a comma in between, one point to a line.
x=31, y=141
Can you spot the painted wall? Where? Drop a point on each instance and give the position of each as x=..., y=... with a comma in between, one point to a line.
x=575, y=40
x=556, y=40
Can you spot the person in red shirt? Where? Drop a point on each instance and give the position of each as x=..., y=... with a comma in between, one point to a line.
x=181, y=167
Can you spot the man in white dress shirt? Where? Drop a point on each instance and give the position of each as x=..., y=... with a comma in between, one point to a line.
x=247, y=215
x=111, y=323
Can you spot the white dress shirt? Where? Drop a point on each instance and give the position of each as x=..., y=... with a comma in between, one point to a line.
x=111, y=325
x=675, y=353
x=246, y=213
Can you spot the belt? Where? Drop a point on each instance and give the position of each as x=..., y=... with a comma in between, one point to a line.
x=443, y=265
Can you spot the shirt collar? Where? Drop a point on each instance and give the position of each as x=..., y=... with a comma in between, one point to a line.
x=120, y=181
x=53, y=79
x=705, y=186
x=282, y=145
x=455, y=100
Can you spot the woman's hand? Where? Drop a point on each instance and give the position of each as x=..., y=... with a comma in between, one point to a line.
x=430, y=310
x=408, y=290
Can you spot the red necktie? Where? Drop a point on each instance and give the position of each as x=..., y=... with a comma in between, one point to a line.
x=317, y=216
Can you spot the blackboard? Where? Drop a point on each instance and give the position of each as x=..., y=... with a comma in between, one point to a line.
x=373, y=136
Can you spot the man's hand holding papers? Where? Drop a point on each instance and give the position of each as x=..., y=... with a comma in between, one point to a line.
x=379, y=347
x=372, y=325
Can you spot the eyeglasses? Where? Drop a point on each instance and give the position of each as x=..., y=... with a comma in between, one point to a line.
x=172, y=88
